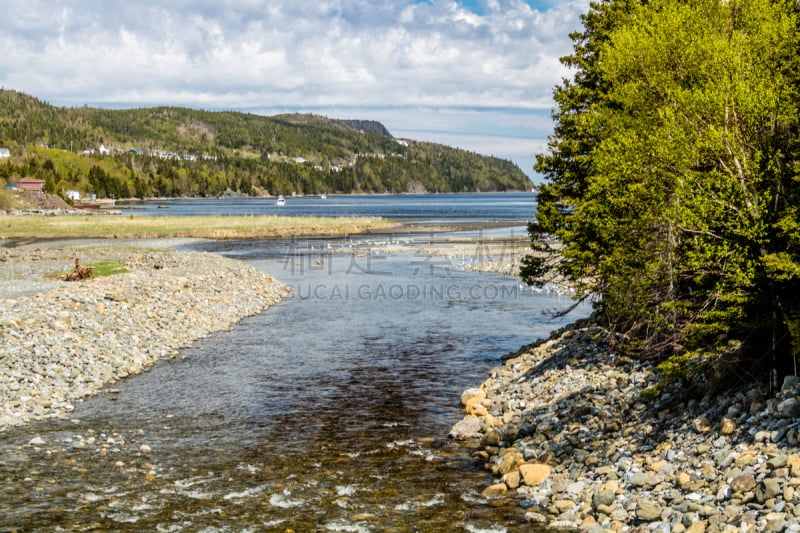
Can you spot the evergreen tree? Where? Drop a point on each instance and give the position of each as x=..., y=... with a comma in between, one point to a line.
x=568, y=165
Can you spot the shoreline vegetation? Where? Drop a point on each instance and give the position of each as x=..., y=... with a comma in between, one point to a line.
x=200, y=227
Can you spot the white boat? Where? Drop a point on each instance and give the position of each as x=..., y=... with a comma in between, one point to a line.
x=323, y=196
x=280, y=201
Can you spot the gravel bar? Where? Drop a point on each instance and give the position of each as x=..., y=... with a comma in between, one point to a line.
x=64, y=341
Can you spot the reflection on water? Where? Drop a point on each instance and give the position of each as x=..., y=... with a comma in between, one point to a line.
x=327, y=413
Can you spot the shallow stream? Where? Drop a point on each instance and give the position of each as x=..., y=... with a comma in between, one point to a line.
x=329, y=412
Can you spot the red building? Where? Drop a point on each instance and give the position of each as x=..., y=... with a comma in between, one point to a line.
x=30, y=184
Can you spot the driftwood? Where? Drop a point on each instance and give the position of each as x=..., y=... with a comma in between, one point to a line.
x=79, y=272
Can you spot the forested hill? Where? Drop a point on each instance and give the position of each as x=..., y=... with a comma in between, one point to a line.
x=173, y=151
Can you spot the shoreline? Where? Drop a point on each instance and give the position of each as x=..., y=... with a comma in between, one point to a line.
x=48, y=311
x=65, y=341
x=300, y=195
x=567, y=428
x=562, y=425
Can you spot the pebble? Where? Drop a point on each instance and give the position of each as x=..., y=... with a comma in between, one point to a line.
x=63, y=341
x=570, y=410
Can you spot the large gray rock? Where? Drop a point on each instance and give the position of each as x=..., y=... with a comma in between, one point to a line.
x=603, y=497
x=468, y=427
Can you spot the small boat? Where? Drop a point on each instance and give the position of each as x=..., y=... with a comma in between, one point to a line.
x=323, y=196
x=281, y=201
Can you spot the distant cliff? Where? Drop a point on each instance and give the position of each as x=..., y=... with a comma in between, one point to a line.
x=367, y=126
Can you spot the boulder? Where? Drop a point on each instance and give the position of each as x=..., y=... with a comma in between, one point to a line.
x=767, y=489
x=468, y=427
x=534, y=474
x=728, y=426
x=743, y=483
x=475, y=407
x=493, y=491
x=474, y=393
x=603, y=498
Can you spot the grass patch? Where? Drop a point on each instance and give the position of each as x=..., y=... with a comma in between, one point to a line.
x=109, y=268
x=204, y=227
x=101, y=268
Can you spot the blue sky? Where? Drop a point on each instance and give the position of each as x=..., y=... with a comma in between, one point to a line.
x=477, y=74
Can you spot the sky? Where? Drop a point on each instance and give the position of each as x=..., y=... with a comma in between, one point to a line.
x=475, y=74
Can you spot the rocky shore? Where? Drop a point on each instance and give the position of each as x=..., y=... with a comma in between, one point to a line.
x=577, y=435
x=63, y=341
x=571, y=430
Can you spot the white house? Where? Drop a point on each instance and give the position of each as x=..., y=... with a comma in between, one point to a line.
x=5, y=152
x=104, y=150
x=73, y=195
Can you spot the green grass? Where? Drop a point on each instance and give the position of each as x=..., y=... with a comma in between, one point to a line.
x=108, y=268
x=206, y=227
x=101, y=268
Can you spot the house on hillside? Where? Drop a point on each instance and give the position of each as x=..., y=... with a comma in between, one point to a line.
x=73, y=195
x=31, y=184
x=4, y=153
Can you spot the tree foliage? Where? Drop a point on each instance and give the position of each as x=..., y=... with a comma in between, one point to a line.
x=673, y=187
x=171, y=151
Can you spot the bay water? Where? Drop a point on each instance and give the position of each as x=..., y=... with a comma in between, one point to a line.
x=468, y=207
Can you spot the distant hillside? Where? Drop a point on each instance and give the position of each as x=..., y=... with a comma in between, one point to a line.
x=173, y=151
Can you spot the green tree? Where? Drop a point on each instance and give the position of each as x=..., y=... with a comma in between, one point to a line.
x=568, y=165
x=683, y=217
x=100, y=181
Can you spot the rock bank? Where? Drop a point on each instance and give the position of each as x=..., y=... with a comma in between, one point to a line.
x=63, y=341
x=565, y=429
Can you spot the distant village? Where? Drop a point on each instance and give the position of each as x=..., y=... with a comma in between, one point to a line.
x=189, y=156
x=186, y=156
x=36, y=185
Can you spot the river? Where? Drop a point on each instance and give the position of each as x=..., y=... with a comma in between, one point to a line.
x=329, y=412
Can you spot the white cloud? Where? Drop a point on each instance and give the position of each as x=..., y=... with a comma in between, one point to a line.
x=430, y=60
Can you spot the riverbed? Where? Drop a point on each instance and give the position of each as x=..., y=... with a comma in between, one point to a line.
x=326, y=413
